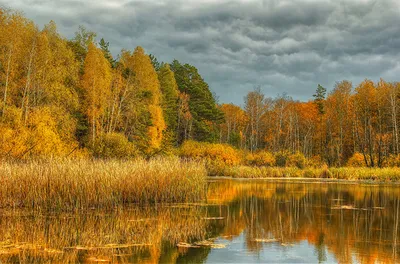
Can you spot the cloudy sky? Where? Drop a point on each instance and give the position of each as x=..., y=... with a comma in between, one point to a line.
x=282, y=45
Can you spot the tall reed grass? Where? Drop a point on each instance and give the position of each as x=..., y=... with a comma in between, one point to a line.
x=83, y=184
x=345, y=173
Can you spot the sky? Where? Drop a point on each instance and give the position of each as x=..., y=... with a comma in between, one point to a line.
x=283, y=46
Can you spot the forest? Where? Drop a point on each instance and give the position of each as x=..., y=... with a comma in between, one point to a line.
x=72, y=98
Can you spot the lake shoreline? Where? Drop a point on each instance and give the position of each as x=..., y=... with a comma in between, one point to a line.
x=357, y=174
x=304, y=180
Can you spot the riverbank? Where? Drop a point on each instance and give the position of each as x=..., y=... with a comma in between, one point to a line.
x=86, y=184
x=344, y=173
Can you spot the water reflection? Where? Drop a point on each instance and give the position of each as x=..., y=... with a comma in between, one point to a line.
x=241, y=221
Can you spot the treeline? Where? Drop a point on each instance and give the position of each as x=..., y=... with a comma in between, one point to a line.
x=348, y=126
x=71, y=97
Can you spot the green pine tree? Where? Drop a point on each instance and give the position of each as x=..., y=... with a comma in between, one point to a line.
x=320, y=98
x=202, y=104
x=170, y=97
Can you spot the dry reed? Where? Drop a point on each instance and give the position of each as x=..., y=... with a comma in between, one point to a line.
x=345, y=173
x=83, y=184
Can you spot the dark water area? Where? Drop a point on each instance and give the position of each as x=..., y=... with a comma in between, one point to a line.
x=241, y=221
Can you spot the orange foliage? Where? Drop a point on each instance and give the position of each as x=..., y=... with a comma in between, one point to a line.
x=357, y=160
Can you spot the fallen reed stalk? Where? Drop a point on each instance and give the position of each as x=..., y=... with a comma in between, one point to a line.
x=83, y=184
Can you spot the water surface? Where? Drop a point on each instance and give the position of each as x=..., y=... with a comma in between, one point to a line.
x=241, y=221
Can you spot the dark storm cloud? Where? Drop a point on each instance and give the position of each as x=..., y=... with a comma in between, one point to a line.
x=282, y=45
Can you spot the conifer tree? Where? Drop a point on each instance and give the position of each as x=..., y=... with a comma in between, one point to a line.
x=206, y=115
x=170, y=96
x=320, y=98
x=105, y=47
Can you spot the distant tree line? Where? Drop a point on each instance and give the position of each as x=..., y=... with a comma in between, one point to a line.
x=358, y=124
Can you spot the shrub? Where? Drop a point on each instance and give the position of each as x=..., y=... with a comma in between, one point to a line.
x=393, y=161
x=261, y=158
x=221, y=153
x=296, y=160
x=113, y=145
x=217, y=157
x=281, y=158
x=193, y=150
x=357, y=160
x=315, y=162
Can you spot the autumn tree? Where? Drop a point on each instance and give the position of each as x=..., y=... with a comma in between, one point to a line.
x=365, y=110
x=282, y=121
x=96, y=85
x=234, y=126
x=148, y=89
x=255, y=108
x=393, y=97
x=185, y=118
x=339, y=122
x=308, y=119
x=37, y=83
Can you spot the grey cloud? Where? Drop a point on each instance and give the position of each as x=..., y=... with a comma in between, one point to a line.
x=282, y=45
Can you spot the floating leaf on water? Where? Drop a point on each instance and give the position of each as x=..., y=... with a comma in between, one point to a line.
x=266, y=240
x=79, y=248
x=345, y=207
x=286, y=245
x=218, y=246
x=348, y=207
x=186, y=245
x=115, y=246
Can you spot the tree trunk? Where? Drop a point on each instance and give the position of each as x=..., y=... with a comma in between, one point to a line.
x=7, y=78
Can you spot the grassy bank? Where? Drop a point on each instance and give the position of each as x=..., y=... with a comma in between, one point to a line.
x=83, y=184
x=346, y=173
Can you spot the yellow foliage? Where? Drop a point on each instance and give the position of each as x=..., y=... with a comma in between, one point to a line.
x=44, y=138
x=357, y=160
x=13, y=141
x=211, y=152
x=113, y=145
x=156, y=130
x=296, y=160
x=96, y=82
x=261, y=158
x=147, y=83
x=315, y=162
x=393, y=161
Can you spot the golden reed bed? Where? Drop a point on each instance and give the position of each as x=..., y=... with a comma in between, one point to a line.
x=83, y=184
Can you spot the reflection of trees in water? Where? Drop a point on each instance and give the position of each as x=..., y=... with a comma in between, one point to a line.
x=144, y=235
x=345, y=219
x=341, y=219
